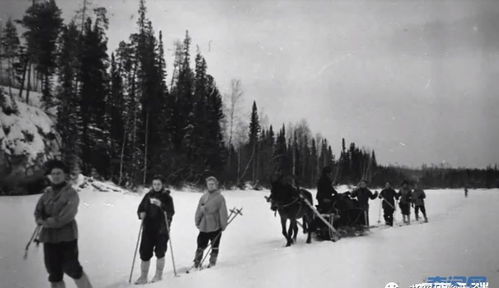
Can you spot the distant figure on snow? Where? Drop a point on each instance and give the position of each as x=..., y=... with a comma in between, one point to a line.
x=55, y=212
x=363, y=195
x=388, y=196
x=405, y=202
x=465, y=192
x=155, y=210
x=211, y=219
x=418, y=197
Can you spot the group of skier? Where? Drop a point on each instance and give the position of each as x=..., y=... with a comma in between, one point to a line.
x=56, y=210
x=407, y=197
x=57, y=229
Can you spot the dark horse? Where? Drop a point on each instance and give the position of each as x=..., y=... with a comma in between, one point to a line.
x=287, y=201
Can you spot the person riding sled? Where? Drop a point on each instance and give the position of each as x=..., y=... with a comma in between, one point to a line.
x=154, y=210
x=363, y=195
x=211, y=219
x=55, y=212
x=325, y=190
x=388, y=196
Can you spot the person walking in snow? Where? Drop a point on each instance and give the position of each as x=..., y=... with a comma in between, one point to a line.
x=325, y=190
x=418, y=197
x=405, y=202
x=155, y=210
x=363, y=195
x=388, y=196
x=55, y=212
x=211, y=219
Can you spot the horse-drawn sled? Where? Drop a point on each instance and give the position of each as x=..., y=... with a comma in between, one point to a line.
x=328, y=221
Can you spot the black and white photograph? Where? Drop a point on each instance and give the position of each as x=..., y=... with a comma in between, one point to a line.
x=249, y=143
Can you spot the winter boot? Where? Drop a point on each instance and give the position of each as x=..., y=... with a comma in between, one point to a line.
x=60, y=284
x=144, y=269
x=83, y=282
x=160, y=265
x=198, y=257
x=213, y=257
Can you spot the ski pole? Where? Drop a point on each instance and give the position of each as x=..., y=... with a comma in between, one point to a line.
x=193, y=265
x=379, y=211
x=171, y=246
x=135, y=253
x=234, y=213
x=35, y=233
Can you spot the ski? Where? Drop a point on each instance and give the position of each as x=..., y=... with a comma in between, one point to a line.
x=234, y=212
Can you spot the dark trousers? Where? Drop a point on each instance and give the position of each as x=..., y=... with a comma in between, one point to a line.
x=62, y=258
x=153, y=242
x=388, y=215
x=419, y=207
x=213, y=237
x=405, y=208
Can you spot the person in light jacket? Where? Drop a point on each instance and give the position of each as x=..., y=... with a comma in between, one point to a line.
x=211, y=219
x=55, y=212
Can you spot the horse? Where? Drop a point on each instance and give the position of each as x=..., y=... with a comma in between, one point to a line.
x=287, y=201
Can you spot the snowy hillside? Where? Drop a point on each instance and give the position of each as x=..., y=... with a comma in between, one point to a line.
x=27, y=134
x=460, y=239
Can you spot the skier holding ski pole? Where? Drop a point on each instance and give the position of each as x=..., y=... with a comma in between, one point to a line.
x=55, y=212
x=155, y=209
x=233, y=214
x=211, y=219
x=388, y=196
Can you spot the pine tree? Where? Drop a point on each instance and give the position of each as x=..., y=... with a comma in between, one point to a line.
x=115, y=113
x=43, y=23
x=10, y=47
x=94, y=89
x=254, y=132
x=69, y=122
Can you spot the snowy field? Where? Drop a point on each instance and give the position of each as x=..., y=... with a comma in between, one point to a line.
x=460, y=239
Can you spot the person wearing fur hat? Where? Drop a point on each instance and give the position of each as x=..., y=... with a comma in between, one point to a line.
x=155, y=210
x=55, y=212
x=211, y=219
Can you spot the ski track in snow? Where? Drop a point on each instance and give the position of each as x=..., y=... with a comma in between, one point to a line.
x=460, y=239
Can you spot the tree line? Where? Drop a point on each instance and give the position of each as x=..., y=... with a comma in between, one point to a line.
x=122, y=118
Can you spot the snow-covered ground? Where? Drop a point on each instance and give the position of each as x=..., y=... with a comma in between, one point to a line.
x=460, y=239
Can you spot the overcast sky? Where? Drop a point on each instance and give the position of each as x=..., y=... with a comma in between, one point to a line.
x=415, y=80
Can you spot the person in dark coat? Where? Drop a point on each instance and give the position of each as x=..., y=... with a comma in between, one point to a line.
x=405, y=202
x=363, y=195
x=55, y=212
x=388, y=196
x=418, y=197
x=325, y=190
x=155, y=210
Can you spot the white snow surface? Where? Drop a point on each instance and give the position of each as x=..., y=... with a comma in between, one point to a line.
x=23, y=133
x=460, y=239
